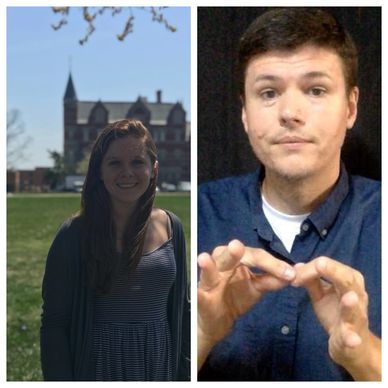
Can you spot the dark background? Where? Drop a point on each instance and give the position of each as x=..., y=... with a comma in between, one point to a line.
x=223, y=147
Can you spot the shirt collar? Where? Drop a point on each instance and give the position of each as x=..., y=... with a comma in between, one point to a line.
x=322, y=218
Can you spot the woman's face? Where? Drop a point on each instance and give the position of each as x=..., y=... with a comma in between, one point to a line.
x=126, y=170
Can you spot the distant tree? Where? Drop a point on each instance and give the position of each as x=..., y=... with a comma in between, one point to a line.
x=91, y=13
x=17, y=141
x=55, y=176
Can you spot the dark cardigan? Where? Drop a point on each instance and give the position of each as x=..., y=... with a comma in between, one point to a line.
x=67, y=317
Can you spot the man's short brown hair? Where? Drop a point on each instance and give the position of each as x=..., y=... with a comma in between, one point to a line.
x=286, y=29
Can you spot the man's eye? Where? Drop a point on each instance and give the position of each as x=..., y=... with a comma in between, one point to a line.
x=317, y=91
x=268, y=94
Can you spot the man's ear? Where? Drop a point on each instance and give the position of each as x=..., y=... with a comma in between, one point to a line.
x=352, y=107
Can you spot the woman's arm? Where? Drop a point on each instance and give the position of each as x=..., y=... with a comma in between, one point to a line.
x=54, y=332
x=184, y=363
x=181, y=298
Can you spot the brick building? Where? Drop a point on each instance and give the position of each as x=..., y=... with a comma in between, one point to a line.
x=27, y=180
x=167, y=122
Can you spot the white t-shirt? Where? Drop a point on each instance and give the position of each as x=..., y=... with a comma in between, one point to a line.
x=285, y=226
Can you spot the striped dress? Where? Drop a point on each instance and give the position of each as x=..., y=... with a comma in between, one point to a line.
x=131, y=335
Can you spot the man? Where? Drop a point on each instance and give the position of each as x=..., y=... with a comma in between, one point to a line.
x=298, y=295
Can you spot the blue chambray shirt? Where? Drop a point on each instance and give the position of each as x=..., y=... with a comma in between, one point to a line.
x=280, y=338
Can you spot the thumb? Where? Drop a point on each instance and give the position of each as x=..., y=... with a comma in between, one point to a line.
x=209, y=277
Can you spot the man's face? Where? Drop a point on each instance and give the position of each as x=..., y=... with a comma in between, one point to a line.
x=296, y=111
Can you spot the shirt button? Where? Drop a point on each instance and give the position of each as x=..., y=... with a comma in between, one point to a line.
x=305, y=227
x=324, y=232
x=285, y=330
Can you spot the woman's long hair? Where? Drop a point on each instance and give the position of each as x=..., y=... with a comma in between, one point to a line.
x=99, y=233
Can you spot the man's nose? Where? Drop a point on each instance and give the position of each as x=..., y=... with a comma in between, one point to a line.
x=291, y=113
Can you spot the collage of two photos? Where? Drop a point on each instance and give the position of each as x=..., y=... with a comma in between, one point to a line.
x=132, y=255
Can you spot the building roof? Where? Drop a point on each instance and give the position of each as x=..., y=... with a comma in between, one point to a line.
x=159, y=112
x=70, y=90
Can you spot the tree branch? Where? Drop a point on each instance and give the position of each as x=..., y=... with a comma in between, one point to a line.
x=156, y=13
x=17, y=143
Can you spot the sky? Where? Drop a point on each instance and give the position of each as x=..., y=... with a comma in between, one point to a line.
x=39, y=60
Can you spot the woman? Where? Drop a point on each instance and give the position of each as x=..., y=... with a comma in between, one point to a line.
x=115, y=287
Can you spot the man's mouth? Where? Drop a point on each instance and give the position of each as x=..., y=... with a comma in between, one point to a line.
x=292, y=140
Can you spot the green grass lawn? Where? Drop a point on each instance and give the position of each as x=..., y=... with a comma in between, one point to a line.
x=32, y=221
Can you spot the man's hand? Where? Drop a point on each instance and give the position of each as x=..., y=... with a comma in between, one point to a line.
x=339, y=299
x=227, y=289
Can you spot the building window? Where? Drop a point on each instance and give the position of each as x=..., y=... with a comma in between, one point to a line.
x=159, y=135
